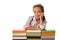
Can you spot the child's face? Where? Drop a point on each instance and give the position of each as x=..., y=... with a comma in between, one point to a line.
x=37, y=12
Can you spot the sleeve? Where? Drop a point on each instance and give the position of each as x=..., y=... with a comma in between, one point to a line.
x=43, y=26
x=28, y=22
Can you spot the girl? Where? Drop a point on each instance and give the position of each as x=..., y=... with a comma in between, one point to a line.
x=37, y=21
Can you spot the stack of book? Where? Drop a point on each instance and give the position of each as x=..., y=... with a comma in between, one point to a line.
x=48, y=35
x=19, y=35
x=33, y=34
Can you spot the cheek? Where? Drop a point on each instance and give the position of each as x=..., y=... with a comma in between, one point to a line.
x=37, y=15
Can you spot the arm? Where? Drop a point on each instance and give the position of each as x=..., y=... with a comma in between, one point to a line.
x=27, y=26
x=43, y=25
x=28, y=22
x=42, y=22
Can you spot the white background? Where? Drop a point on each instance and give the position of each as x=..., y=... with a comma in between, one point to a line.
x=14, y=14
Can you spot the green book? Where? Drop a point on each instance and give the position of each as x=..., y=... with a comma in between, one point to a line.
x=48, y=31
x=33, y=34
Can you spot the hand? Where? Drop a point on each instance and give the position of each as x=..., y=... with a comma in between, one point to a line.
x=42, y=14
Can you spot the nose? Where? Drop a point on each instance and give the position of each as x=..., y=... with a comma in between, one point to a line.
x=38, y=14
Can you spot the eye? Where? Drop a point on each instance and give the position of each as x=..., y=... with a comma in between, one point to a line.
x=39, y=11
x=34, y=11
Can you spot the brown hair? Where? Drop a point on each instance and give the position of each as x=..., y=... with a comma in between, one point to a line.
x=42, y=8
x=39, y=5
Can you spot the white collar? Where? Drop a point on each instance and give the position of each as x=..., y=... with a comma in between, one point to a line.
x=34, y=19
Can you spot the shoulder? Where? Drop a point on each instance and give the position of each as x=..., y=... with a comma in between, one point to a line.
x=30, y=17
